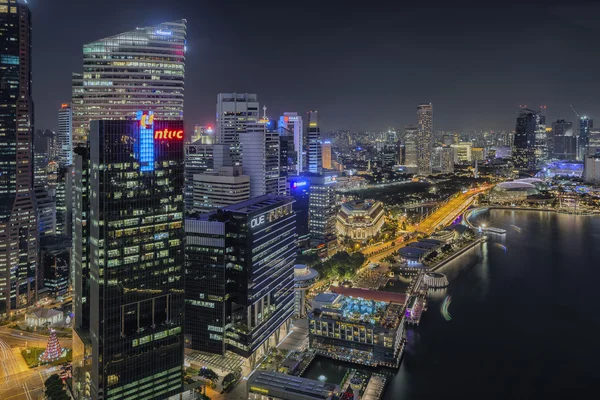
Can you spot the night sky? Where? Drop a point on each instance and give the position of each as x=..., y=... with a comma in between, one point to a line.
x=362, y=64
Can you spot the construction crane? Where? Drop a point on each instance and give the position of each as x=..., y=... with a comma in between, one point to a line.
x=575, y=112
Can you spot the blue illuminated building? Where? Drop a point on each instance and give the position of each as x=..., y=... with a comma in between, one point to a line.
x=300, y=191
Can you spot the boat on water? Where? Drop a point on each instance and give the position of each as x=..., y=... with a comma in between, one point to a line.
x=497, y=231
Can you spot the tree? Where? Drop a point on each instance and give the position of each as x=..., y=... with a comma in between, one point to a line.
x=208, y=374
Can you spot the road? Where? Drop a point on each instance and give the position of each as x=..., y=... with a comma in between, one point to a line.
x=17, y=380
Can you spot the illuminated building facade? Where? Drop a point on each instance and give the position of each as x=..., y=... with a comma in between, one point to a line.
x=524, y=140
x=239, y=286
x=591, y=172
x=315, y=154
x=224, y=187
x=424, y=138
x=136, y=258
x=292, y=122
x=447, y=160
x=326, y=150
x=18, y=226
x=360, y=330
x=300, y=191
x=234, y=112
x=410, y=146
x=322, y=209
x=360, y=220
x=64, y=136
x=261, y=159
x=463, y=152
x=203, y=134
x=270, y=385
x=477, y=153
x=585, y=124
x=143, y=68
x=564, y=141
x=198, y=160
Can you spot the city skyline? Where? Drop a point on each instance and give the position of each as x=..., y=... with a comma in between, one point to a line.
x=368, y=63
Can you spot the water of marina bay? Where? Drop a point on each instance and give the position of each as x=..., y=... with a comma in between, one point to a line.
x=525, y=321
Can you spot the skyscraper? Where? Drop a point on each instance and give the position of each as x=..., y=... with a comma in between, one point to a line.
x=326, y=149
x=136, y=258
x=424, y=138
x=585, y=124
x=239, y=286
x=524, y=141
x=313, y=134
x=410, y=146
x=447, y=160
x=261, y=159
x=64, y=136
x=541, y=137
x=293, y=123
x=321, y=208
x=18, y=226
x=142, y=68
x=234, y=112
x=564, y=141
x=224, y=187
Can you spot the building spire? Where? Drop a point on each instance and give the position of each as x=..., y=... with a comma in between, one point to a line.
x=264, y=112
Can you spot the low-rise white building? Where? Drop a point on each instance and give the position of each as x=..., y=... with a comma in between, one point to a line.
x=360, y=220
x=43, y=317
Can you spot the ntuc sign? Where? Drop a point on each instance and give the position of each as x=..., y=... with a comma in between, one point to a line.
x=167, y=134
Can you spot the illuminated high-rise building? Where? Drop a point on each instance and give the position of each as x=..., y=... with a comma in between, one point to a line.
x=424, y=138
x=524, y=141
x=292, y=122
x=541, y=136
x=410, y=146
x=64, y=136
x=142, y=68
x=239, y=285
x=234, y=112
x=18, y=226
x=321, y=209
x=261, y=159
x=326, y=150
x=203, y=135
x=313, y=134
x=585, y=124
x=136, y=258
x=564, y=140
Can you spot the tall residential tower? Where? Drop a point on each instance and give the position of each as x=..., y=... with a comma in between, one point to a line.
x=234, y=112
x=315, y=155
x=424, y=138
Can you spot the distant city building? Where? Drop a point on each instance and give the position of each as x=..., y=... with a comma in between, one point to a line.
x=224, y=187
x=564, y=142
x=322, y=209
x=424, y=138
x=326, y=154
x=144, y=67
x=62, y=197
x=447, y=160
x=541, y=137
x=591, y=174
x=360, y=220
x=203, y=135
x=477, y=153
x=524, y=141
x=463, y=152
x=411, y=134
x=18, y=225
x=293, y=123
x=593, y=141
x=585, y=124
x=261, y=159
x=509, y=192
x=64, y=135
x=240, y=276
x=366, y=329
x=136, y=258
x=234, y=112
x=313, y=134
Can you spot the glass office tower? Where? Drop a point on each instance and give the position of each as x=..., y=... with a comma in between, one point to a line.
x=18, y=226
x=240, y=276
x=142, y=68
x=136, y=258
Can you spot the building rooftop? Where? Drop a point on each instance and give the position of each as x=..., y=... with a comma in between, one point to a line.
x=258, y=203
x=370, y=294
x=412, y=252
x=423, y=245
x=301, y=387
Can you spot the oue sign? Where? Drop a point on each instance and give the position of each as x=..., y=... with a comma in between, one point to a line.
x=166, y=134
x=258, y=221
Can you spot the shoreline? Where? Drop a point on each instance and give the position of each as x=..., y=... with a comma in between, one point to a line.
x=468, y=247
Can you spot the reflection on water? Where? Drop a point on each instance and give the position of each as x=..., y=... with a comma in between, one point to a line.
x=524, y=322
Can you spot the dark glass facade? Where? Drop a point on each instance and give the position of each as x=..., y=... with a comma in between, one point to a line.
x=136, y=258
x=18, y=227
x=524, y=141
x=240, y=275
